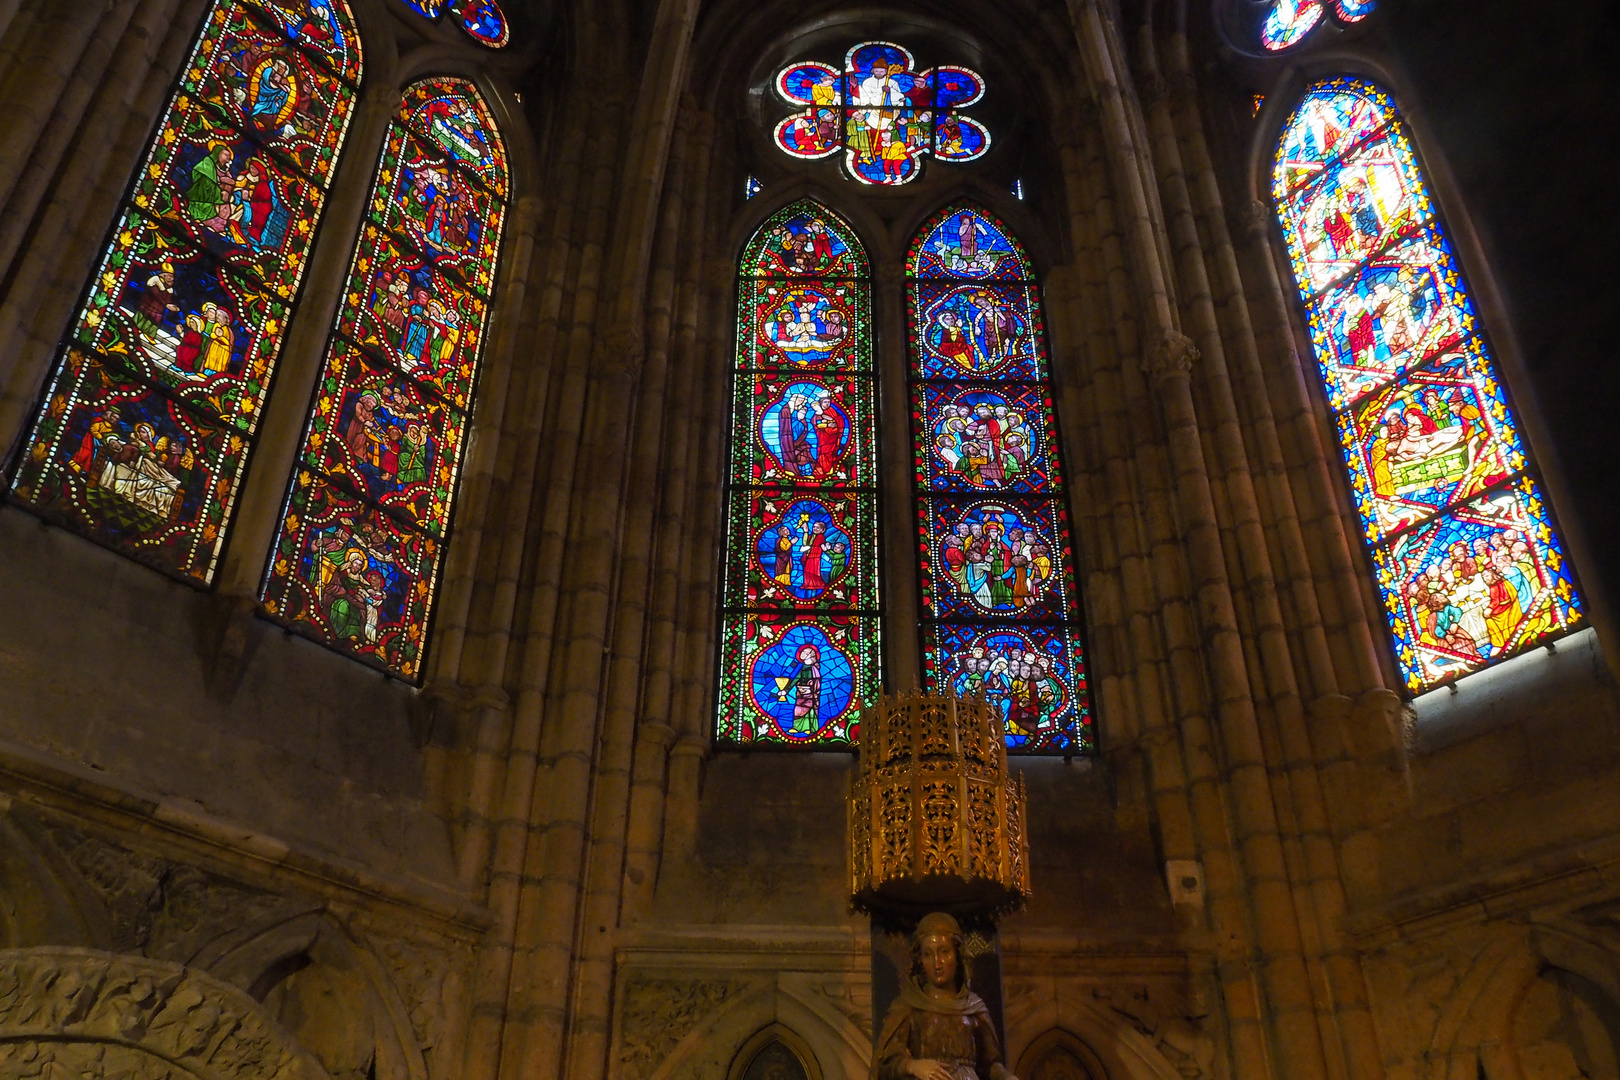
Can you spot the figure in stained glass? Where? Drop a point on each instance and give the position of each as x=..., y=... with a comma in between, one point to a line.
x=1000, y=610
x=154, y=402
x=882, y=111
x=986, y=437
x=1289, y=21
x=799, y=638
x=361, y=544
x=1471, y=567
x=807, y=431
x=485, y=21
x=805, y=325
x=1030, y=675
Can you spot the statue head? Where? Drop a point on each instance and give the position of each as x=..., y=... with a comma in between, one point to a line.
x=936, y=947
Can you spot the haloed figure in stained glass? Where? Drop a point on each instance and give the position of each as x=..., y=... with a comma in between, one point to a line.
x=1470, y=565
x=882, y=111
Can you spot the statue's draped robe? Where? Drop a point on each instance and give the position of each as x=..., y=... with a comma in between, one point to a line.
x=957, y=1032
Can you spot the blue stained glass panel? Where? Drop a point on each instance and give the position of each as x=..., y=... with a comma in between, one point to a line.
x=977, y=330
x=984, y=436
x=1001, y=607
x=1288, y=22
x=486, y=22
x=1033, y=676
x=967, y=245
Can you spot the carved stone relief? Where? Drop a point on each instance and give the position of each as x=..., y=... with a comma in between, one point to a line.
x=1178, y=1037
x=158, y=908
x=120, y=1016
x=659, y=1013
x=430, y=981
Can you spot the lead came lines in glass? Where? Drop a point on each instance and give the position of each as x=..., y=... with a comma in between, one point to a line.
x=799, y=644
x=1001, y=608
x=362, y=539
x=153, y=406
x=1468, y=560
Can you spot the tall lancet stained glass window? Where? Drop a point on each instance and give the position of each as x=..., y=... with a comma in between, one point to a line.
x=366, y=521
x=154, y=402
x=1000, y=603
x=799, y=645
x=1468, y=558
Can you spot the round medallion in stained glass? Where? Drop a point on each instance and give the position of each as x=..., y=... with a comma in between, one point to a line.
x=807, y=430
x=485, y=20
x=1288, y=22
x=989, y=440
x=804, y=547
x=995, y=558
x=976, y=329
x=886, y=113
x=803, y=681
x=805, y=325
x=1025, y=674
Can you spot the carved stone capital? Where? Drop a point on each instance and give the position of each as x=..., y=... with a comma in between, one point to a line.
x=620, y=351
x=656, y=733
x=1171, y=356
x=1251, y=220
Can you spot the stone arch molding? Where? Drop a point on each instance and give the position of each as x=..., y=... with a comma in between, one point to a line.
x=1473, y=1029
x=104, y=1014
x=691, y=1028
x=1119, y=1032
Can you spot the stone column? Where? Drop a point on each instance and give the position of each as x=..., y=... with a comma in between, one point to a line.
x=897, y=512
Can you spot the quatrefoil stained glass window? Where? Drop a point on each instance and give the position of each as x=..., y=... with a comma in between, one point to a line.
x=1289, y=21
x=882, y=111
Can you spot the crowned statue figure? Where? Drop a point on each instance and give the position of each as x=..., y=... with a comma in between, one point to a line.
x=938, y=1029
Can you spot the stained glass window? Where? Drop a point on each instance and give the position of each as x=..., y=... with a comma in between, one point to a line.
x=485, y=21
x=366, y=521
x=799, y=637
x=1469, y=561
x=1289, y=21
x=154, y=403
x=1000, y=600
x=884, y=112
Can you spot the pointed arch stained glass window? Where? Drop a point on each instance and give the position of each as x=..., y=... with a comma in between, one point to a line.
x=1000, y=600
x=1469, y=561
x=154, y=403
x=365, y=524
x=799, y=637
